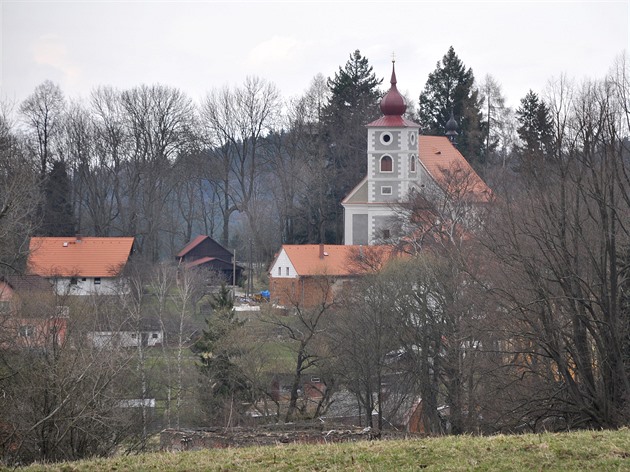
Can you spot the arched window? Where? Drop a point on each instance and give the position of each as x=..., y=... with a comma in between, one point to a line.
x=412, y=163
x=387, y=164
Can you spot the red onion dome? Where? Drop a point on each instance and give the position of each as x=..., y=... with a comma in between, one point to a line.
x=393, y=102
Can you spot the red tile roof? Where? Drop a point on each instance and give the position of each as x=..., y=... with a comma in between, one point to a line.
x=337, y=260
x=449, y=168
x=78, y=257
x=390, y=121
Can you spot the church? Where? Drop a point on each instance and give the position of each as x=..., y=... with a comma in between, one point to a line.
x=399, y=161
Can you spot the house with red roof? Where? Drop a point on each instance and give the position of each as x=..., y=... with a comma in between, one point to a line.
x=306, y=275
x=81, y=265
x=401, y=161
x=29, y=315
x=204, y=252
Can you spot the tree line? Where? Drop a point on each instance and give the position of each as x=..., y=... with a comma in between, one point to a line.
x=244, y=166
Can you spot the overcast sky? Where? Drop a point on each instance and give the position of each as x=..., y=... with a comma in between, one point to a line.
x=196, y=46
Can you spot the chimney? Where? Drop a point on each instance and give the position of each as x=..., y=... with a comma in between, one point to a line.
x=321, y=250
x=79, y=238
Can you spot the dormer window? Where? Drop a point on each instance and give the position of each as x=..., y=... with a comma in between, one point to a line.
x=387, y=165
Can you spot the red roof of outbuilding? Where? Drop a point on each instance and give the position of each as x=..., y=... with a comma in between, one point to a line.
x=78, y=257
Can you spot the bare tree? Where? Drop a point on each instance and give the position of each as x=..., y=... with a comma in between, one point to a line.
x=19, y=199
x=42, y=113
x=561, y=241
x=306, y=328
x=236, y=122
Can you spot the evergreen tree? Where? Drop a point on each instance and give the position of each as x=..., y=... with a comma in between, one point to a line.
x=224, y=387
x=354, y=102
x=57, y=216
x=452, y=87
x=535, y=127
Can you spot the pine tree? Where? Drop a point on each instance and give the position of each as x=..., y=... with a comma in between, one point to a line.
x=535, y=127
x=224, y=386
x=452, y=87
x=57, y=216
x=354, y=102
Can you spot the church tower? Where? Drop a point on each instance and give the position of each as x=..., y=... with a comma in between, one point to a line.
x=392, y=167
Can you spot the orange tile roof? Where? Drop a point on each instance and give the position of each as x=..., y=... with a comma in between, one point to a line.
x=450, y=170
x=338, y=260
x=74, y=257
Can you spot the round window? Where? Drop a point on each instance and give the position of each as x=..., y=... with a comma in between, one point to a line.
x=386, y=138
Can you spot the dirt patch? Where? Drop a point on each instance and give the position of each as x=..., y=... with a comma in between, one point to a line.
x=211, y=438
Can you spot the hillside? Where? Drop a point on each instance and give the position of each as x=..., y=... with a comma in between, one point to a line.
x=586, y=450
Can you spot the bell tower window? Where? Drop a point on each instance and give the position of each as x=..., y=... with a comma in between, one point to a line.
x=387, y=165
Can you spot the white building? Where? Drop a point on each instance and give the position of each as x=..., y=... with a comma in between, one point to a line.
x=400, y=160
x=81, y=265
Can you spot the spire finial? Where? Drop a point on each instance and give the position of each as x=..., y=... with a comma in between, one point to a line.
x=393, y=57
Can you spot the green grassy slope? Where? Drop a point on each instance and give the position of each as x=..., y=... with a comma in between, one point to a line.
x=587, y=450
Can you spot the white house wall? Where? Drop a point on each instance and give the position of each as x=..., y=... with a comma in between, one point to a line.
x=282, y=267
x=117, y=339
x=87, y=286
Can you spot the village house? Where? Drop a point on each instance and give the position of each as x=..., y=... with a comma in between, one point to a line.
x=81, y=265
x=29, y=315
x=401, y=161
x=309, y=274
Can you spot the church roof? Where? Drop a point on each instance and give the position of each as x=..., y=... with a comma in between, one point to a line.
x=393, y=107
x=450, y=170
x=393, y=103
x=390, y=121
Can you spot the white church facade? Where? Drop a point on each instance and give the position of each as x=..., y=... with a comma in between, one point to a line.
x=399, y=159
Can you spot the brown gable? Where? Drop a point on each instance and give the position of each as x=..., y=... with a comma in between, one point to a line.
x=78, y=257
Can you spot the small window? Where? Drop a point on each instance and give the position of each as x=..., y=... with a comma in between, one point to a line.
x=279, y=271
x=154, y=335
x=27, y=331
x=386, y=190
x=97, y=281
x=412, y=163
x=386, y=164
x=287, y=271
x=84, y=279
x=386, y=138
x=386, y=234
x=74, y=281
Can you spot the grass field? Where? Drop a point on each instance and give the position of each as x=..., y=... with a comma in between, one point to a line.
x=586, y=450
